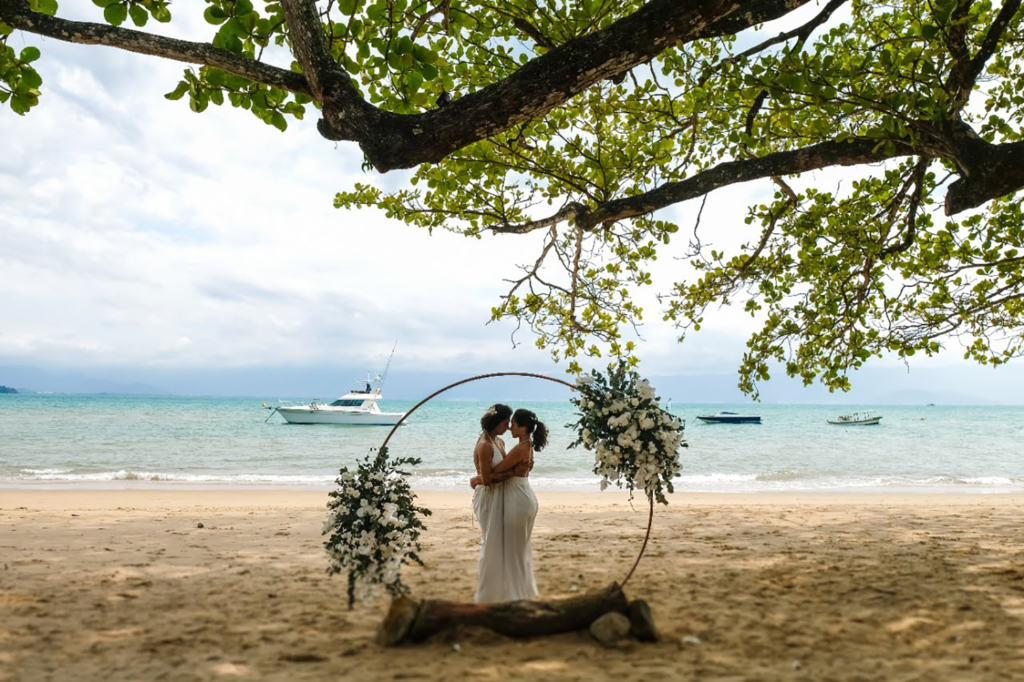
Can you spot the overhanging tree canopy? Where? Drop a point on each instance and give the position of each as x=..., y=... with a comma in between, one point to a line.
x=583, y=118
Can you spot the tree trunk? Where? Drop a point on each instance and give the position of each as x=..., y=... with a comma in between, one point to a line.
x=514, y=619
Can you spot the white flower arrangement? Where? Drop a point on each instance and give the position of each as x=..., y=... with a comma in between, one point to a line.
x=635, y=442
x=373, y=526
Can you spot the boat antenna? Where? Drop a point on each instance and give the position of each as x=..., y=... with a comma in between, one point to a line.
x=384, y=376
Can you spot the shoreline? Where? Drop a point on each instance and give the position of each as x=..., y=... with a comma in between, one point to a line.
x=278, y=498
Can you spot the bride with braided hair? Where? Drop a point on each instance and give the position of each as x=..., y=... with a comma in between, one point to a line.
x=506, y=508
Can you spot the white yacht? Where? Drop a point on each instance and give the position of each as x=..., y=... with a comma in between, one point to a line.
x=358, y=406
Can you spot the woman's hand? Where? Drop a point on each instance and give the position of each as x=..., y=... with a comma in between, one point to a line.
x=475, y=481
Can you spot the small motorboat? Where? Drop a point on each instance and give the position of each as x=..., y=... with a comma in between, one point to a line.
x=855, y=419
x=730, y=418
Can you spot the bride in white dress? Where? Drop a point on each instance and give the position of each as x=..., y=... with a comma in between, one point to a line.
x=506, y=508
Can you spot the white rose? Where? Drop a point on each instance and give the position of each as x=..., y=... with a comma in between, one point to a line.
x=645, y=390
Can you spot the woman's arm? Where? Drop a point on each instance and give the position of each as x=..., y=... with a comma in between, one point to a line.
x=495, y=478
x=518, y=455
x=499, y=474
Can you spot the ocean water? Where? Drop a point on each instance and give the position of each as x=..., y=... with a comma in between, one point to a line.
x=106, y=441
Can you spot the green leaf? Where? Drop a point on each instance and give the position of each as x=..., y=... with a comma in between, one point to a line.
x=31, y=79
x=235, y=27
x=115, y=14
x=5, y=30
x=198, y=103
x=104, y=3
x=414, y=80
x=424, y=55
x=215, y=77
x=178, y=92
x=48, y=7
x=21, y=103
x=429, y=72
x=215, y=15
x=139, y=15
x=278, y=121
x=29, y=55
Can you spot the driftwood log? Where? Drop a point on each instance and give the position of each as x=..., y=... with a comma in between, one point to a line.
x=412, y=621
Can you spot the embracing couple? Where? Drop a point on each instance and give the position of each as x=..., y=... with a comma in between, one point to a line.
x=504, y=503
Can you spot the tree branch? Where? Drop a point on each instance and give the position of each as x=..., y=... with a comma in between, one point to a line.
x=391, y=140
x=852, y=153
x=309, y=44
x=16, y=13
x=532, y=32
x=965, y=73
x=802, y=32
x=987, y=171
x=915, y=201
x=546, y=82
x=571, y=210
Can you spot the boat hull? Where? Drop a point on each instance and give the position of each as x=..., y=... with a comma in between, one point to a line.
x=743, y=419
x=861, y=422
x=307, y=415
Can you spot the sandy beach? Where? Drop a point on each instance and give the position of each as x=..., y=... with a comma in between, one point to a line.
x=204, y=585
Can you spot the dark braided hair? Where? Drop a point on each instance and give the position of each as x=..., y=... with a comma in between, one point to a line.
x=534, y=428
x=495, y=415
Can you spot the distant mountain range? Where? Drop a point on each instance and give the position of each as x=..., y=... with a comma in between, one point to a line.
x=36, y=380
x=6, y=389
x=880, y=385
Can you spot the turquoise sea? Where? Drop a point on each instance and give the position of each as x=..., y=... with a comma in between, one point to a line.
x=116, y=442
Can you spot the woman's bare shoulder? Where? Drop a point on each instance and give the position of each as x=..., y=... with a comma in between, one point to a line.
x=519, y=448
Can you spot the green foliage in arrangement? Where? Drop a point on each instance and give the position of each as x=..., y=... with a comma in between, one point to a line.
x=373, y=526
x=634, y=440
x=922, y=97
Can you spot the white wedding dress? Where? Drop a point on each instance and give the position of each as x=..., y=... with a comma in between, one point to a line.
x=506, y=512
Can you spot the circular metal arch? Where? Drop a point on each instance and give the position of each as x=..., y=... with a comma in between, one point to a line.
x=650, y=517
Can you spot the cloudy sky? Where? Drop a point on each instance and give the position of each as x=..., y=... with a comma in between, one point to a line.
x=139, y=238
